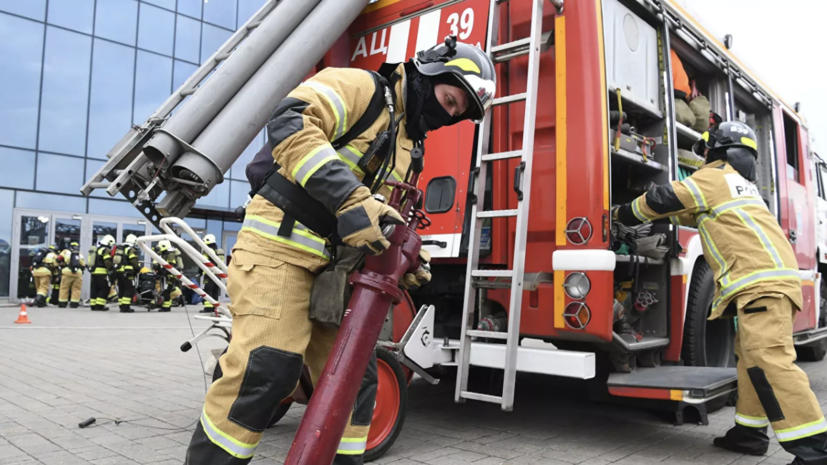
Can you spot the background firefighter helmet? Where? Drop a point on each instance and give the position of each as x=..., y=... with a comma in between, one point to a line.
x=727, y=134
x=107, y=240
x=471, y=68
x=209, y=239
x=130, y=240
x=164, y=246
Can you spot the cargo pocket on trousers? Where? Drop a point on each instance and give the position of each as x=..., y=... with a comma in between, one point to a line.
x=763, y=323
x=765, y=394
x=271, y=376
x=256, y=285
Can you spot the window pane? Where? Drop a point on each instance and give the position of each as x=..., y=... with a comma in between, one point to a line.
x=57, y=173
x=182, y=72
x=239, y=190
x=6, y=208
x=18, y=168
x=187, y=39
x=168, y=4
x=211, y=39
x=152, y=85
x=113, y=207
x=35, y=9
x=21, y=43
x=111, y=103
x=92, y=167
x=220, y=12
x=117, y=20
x=240, y=165
x=72, y=14
x=61, y=203
x=65, y=90
x=219, y=197
x=190, y=8
x=232, y=225
x=246, y=10
x=156, y=29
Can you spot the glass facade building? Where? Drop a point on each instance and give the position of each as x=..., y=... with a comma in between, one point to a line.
x=76, y=74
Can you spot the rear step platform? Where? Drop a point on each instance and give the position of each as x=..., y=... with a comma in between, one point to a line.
x=679, y=385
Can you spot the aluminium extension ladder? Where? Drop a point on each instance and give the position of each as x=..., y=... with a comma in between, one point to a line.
x=500, y=54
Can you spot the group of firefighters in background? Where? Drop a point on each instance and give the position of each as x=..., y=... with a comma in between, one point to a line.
x=114, y=271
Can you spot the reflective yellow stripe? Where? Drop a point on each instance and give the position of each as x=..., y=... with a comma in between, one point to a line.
x=716, y=254
x=223, y=440
x=696, y=193
x=300, y=238
x=337, y=104
x=352, y=446
x=100, y=271
x=750, y=223
x=752, y=422
x=351, y=157
x=755, y=277
x=638, y=213
x=311, y=163
x=803, y=431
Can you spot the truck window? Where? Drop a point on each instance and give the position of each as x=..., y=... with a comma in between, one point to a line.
x=791, y=136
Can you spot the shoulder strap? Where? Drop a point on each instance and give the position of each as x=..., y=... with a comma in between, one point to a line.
x=375, y=108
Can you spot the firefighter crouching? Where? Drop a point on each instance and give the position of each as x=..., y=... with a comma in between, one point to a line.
x=166, y=282
x=43, y=263
x=100, y=266
x=757, y=280
x=126, y=264
x=210, y=287
x=276, y=259
x=71, y=276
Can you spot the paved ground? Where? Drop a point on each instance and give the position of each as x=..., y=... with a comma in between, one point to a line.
x=74, y=364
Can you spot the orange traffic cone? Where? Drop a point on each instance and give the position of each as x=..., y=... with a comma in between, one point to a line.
x=22, y=319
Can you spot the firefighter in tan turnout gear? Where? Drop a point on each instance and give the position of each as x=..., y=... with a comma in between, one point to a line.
x=126, y=267
x=277, y=258
x=209, y=286
x=43, y=262
x=757, y=280
x=100, y=266
x=72, y=276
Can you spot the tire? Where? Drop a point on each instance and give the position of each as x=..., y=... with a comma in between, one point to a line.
x=391, y=405
x=816, y=351
x=706, y=343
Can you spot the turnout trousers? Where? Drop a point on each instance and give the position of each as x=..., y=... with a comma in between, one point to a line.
x=126, y=291
x=70, y=289
x=54, y=298
x=772, y=390
x=99, y=290
x=212, y=290
x=273, y=339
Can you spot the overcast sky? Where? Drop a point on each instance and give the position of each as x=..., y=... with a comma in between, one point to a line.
x=784, y=42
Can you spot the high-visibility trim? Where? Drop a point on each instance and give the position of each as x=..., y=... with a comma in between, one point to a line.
x=351, y=157
x=300, y=238
x=637, y=211
x=755, y=277
x=751, y=422
x=352, y=446
x=716, y=254
x=560, y=127
x=337, y=104
x=223, y=440
x=559, y=299
x=717, y=211
x=762, y=237
x=803, y=431
x=311, y=163
x=696, y=193
x=100, y=271
x=604, y=116
x=749, y=142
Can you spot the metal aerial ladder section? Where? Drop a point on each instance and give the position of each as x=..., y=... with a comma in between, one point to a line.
x=475, y=276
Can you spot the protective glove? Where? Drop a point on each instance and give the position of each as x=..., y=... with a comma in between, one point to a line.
x=361, y=218
x=615, y=211
x=421, y=276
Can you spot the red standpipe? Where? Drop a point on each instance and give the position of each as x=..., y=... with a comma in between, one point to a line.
x=376, y=288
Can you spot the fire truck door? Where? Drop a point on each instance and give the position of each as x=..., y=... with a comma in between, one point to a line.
x=392, y=31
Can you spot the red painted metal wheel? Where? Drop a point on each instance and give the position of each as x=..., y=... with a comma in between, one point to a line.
x=390, y=408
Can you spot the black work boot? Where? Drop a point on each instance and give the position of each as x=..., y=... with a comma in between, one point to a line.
x=744, y=440
x=74, y=305
x=62, y=305
x=40, y=301
x=126, y=309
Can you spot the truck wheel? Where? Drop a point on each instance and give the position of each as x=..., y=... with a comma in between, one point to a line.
x=706, y=343
x=391, y=405
x=816, y=351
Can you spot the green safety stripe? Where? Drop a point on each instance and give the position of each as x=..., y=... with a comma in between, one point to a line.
x=638, y=213
x=207, y=304
x=337, y=104
x=696, y=193
x=100, y=271
x=311, y=163
x=167, y=304
x=351, y=157
x=755, y=277
x=300, y=238
x=223, y=440
x=352, y=446
x=752, y=422
x=716, y=254
x=719, y=210
x=762, y=237
x=803, y=431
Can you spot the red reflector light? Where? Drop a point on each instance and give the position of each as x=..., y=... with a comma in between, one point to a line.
x=579, y=231
x=577, y=315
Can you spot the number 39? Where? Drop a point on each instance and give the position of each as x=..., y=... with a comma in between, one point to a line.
x=466, y=22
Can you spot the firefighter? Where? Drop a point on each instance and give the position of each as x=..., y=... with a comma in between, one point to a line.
x=210, y=287
x=57, y=267
x=100, y=267
x=274, y=265
x=757, y=280
x=126, y=262
x=71, y=276
x=43, y=262
x=166, y=282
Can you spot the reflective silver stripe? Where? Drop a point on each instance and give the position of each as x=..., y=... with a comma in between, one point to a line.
x=752, y=278
x=711, y=245
x=803, y=431
x=696, y=193
x=351, y=156
x=336, y=103
x=352, y=446
x=301, y=237
x=765, y=241
x=752, y=422
x=726, y=206
x=636, y=210
x=312, y=162
x=232, y=446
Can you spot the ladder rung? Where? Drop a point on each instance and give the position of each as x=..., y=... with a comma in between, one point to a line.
x=511, y=45
x=492, y=273
x=497, y=214
x=189, y=91
x=487, y=334
x=510, y=56
x=509, y=99
x=502, y=155
x=481, y=397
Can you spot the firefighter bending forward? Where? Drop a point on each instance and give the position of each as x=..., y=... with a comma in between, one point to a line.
x=271, y=274
x=757, y=280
